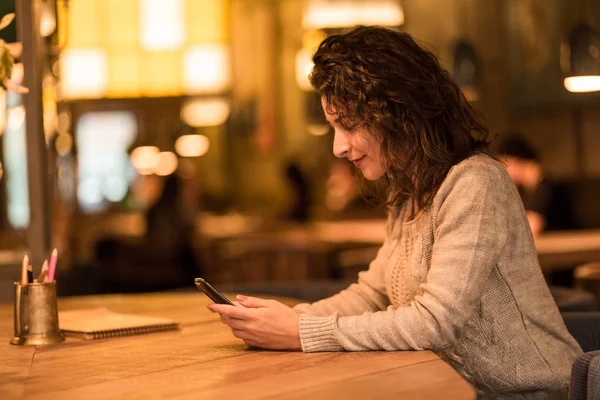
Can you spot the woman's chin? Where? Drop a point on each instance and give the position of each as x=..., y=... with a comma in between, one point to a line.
x=372, y=175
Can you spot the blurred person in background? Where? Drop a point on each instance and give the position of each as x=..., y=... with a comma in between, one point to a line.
x=343, y=197
x=299, y=208
x=342, y=189
x=169, y=221
x=164, y=258
x=458, y=272
x=170, y=233
x=547, y=207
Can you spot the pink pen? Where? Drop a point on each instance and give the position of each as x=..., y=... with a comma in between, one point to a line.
x=52, y=265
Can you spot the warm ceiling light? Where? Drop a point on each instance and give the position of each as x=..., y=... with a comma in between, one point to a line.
x=15, y=118
x=63, y=122
x=205, y=112
x=114, y=188
x=582, y=56
x=47, y=19
x=166, y=163
x=318, y=129
x=144, y=159
x=206, y=69
x=345, y=13
x=192, y=145
x=582, y=84
x=162, y=25
x=304, y=66
x=63, y=144
x=304, y=63
x=83, y=73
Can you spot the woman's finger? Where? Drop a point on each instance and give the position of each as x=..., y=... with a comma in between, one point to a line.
x=234, y=322
x=241, y=334
x=252, y=302
x=231, y=311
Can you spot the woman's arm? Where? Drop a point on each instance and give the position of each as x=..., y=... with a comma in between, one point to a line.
x=270, y=324
x=472, y=230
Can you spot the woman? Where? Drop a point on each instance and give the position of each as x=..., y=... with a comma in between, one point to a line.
x=458, y=272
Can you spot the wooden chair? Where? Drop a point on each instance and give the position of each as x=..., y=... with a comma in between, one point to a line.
x=584, y=376
x=585, y=372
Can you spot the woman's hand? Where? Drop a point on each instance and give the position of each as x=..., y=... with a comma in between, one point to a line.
x=261, y=323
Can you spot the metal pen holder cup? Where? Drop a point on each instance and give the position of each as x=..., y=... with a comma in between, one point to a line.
x=36, y=314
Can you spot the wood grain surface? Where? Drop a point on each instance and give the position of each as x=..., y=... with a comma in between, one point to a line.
x=202, y=360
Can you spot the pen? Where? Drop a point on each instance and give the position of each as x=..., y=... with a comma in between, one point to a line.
x=29, y=273
x=24, y=266
x=44, y=273
x=52, y=265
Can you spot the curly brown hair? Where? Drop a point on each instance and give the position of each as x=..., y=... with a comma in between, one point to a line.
x=382, y=80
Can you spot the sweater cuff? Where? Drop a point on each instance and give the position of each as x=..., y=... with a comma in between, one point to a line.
x=319, y=333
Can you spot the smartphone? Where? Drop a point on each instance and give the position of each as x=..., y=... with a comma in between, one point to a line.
x=211, y=292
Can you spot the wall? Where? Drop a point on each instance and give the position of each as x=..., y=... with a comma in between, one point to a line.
x=256, y=140
x=268, y=125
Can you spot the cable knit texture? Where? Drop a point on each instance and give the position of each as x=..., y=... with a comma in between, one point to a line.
x=462, y=279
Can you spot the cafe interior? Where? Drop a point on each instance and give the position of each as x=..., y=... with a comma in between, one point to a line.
x=151, y=142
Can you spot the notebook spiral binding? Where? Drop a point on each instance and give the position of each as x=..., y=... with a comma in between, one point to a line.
x=132, y=331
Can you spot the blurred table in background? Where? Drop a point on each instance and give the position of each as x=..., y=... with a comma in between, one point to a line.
x=566, y=249
x=88, y=230
x=238, y=248
x=370, y=231
x=251, y=250
x=349, y=246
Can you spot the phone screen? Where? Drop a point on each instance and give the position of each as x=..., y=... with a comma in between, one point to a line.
x=211, y=292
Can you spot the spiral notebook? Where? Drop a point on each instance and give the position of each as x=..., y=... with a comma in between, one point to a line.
x=100, y=323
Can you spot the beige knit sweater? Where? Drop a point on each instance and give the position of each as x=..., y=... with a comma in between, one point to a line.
x=461, y=279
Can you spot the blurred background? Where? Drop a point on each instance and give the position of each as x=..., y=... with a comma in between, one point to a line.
x=163, y=140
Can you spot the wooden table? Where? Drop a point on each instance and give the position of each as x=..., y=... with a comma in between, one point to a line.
x=203, y=360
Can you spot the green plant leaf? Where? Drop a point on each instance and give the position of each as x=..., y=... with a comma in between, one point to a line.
x=6, y=64
x=6, y=20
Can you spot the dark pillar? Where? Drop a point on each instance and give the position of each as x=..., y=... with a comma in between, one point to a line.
x=28, y=33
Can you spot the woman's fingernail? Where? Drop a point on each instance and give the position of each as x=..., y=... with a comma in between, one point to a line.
x=241, y=297
x=209, y=307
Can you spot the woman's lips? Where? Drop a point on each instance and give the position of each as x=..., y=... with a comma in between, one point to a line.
x=357, y=161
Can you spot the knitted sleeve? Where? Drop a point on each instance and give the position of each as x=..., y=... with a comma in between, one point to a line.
x=369, y=294
x=471, y=231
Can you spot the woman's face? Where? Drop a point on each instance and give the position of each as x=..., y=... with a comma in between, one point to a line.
x=357, y=145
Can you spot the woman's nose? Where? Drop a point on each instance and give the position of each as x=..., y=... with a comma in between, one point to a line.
x=341, y=145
